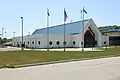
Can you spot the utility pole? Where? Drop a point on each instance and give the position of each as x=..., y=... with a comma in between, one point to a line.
x=22, y=46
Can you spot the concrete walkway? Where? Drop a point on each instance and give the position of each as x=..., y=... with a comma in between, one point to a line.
x=97, y=69
x=61, y=49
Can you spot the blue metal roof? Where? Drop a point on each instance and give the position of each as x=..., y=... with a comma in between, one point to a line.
x=113, y=30
x=71, y=28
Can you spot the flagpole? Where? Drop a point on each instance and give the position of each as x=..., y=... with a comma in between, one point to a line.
x=65, y=16
x=47, y=30
x=83, y=33
x=64, y=35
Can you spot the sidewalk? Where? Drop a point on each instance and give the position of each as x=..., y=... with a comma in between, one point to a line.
x=61, y=49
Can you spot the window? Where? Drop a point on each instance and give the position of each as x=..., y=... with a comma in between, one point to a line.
x=14, y=42
x=28, y=42
x=73, y=42
x=39, y=42
x=20, y=42
x=17, y=42
x=50, y=42
x=24, y=42
x=64, y=42
x=57, y=42
x=81, y=43
x=104, y=42
x=32, y=42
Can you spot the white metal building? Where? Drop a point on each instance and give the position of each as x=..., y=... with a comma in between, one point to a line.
x=74, y=35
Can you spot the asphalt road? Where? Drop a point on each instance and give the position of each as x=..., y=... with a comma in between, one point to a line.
x=97, y=69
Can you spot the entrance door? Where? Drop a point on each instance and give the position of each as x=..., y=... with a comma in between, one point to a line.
x=89, y=38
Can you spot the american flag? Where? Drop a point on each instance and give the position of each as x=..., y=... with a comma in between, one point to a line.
x=65, y=15
x=48, y=12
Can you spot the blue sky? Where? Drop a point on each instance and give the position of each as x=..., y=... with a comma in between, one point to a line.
x=103, y=12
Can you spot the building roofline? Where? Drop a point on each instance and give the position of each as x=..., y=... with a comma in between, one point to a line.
x=86, y=24
x=61, y=25
x=113, y=30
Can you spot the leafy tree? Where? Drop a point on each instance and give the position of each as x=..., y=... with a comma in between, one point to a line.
x=4, y=40
x=105, y=28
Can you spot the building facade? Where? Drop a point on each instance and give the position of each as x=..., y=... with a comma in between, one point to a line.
x=114, y=36
x=76, y=34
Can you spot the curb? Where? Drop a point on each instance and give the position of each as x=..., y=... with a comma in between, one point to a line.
x=62, y=61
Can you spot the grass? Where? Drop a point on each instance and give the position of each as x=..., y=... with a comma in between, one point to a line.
x=11, y=58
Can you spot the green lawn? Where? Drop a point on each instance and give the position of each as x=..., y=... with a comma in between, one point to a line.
x=28, y=57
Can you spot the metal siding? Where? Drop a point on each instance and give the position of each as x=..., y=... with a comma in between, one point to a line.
x=71, y=28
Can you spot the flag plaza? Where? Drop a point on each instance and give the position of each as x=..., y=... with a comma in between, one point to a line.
x=82, y=34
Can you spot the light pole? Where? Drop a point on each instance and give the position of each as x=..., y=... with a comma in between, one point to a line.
x=22, y=34
x=13, y=37
x=5, y=34
x=2, y=36
x=2, y=33
x=13, y=34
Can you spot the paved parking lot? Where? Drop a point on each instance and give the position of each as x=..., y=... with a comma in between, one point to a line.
x=97, y=69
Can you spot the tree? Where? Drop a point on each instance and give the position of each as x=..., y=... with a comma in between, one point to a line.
x=4, y=40
x=105, y=28
x=0, y=40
